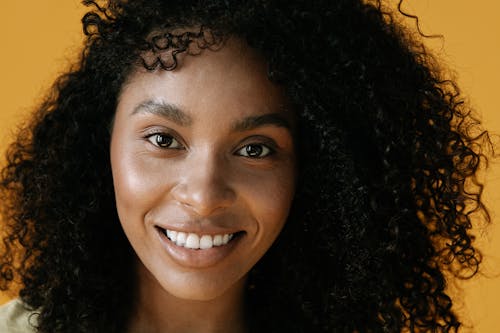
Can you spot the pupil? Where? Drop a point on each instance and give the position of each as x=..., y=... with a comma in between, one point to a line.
x=163, y=140
x=254, y=150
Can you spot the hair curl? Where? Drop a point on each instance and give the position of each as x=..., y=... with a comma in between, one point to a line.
x=388, y=152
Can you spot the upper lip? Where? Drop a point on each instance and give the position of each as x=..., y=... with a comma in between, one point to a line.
x=220, y=225
x=200, y=230
x=210, y=232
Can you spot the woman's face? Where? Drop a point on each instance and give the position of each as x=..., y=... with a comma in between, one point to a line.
x=203, y=166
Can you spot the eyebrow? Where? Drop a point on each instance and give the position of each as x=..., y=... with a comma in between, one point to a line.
x=175, y=114
x=249, y=123
x=166, y=110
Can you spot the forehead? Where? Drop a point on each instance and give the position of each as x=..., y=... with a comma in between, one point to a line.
x=232, y=79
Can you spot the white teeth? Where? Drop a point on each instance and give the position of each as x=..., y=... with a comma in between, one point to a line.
x=206, y=242
x=172, y=235
x=181, y=238
x=217, y=240
x=192, y=241
x=195, y=241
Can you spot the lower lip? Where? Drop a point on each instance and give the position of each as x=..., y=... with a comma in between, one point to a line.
x=197, y=258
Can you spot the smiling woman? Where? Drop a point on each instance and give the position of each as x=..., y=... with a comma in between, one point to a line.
x=200, y=156
x=242, y=166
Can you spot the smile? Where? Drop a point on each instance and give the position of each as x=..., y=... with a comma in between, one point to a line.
x=196, y=241
x=199, y=250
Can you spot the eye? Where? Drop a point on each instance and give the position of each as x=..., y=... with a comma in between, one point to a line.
x=255, y=151
x=164, y=141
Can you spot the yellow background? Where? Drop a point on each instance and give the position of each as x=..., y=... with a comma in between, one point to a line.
x=38, y=40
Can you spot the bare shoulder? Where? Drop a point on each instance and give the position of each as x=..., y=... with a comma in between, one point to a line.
x=16, y=318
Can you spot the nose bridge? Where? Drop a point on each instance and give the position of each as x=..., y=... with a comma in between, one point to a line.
x=205, y=187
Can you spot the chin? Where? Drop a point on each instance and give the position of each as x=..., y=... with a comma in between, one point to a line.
x=202, y=289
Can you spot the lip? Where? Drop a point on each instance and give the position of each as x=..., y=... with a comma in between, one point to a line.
x=199, y=230
x=192, y=258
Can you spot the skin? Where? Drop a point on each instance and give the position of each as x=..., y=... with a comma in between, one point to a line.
x=207, y=116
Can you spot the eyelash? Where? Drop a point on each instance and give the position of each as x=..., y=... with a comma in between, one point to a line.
x=264, y=150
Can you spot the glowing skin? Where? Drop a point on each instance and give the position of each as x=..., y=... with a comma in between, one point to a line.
x=204, y=149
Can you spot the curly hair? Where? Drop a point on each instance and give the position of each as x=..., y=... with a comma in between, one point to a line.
x=388, y=153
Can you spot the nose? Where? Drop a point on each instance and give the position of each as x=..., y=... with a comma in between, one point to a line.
x=205, y=185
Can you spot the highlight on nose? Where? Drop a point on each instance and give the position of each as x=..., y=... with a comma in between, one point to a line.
x=204, y=194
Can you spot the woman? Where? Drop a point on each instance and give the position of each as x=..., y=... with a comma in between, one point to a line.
x=242, y=166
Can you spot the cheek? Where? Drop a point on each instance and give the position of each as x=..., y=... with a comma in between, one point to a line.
x=130, y=184
x=138, y=182
x=270, y=198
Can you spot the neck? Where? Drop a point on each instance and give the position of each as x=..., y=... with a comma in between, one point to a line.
x=158, y=311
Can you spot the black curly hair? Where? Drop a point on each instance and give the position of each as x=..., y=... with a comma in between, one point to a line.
x=389, y=155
